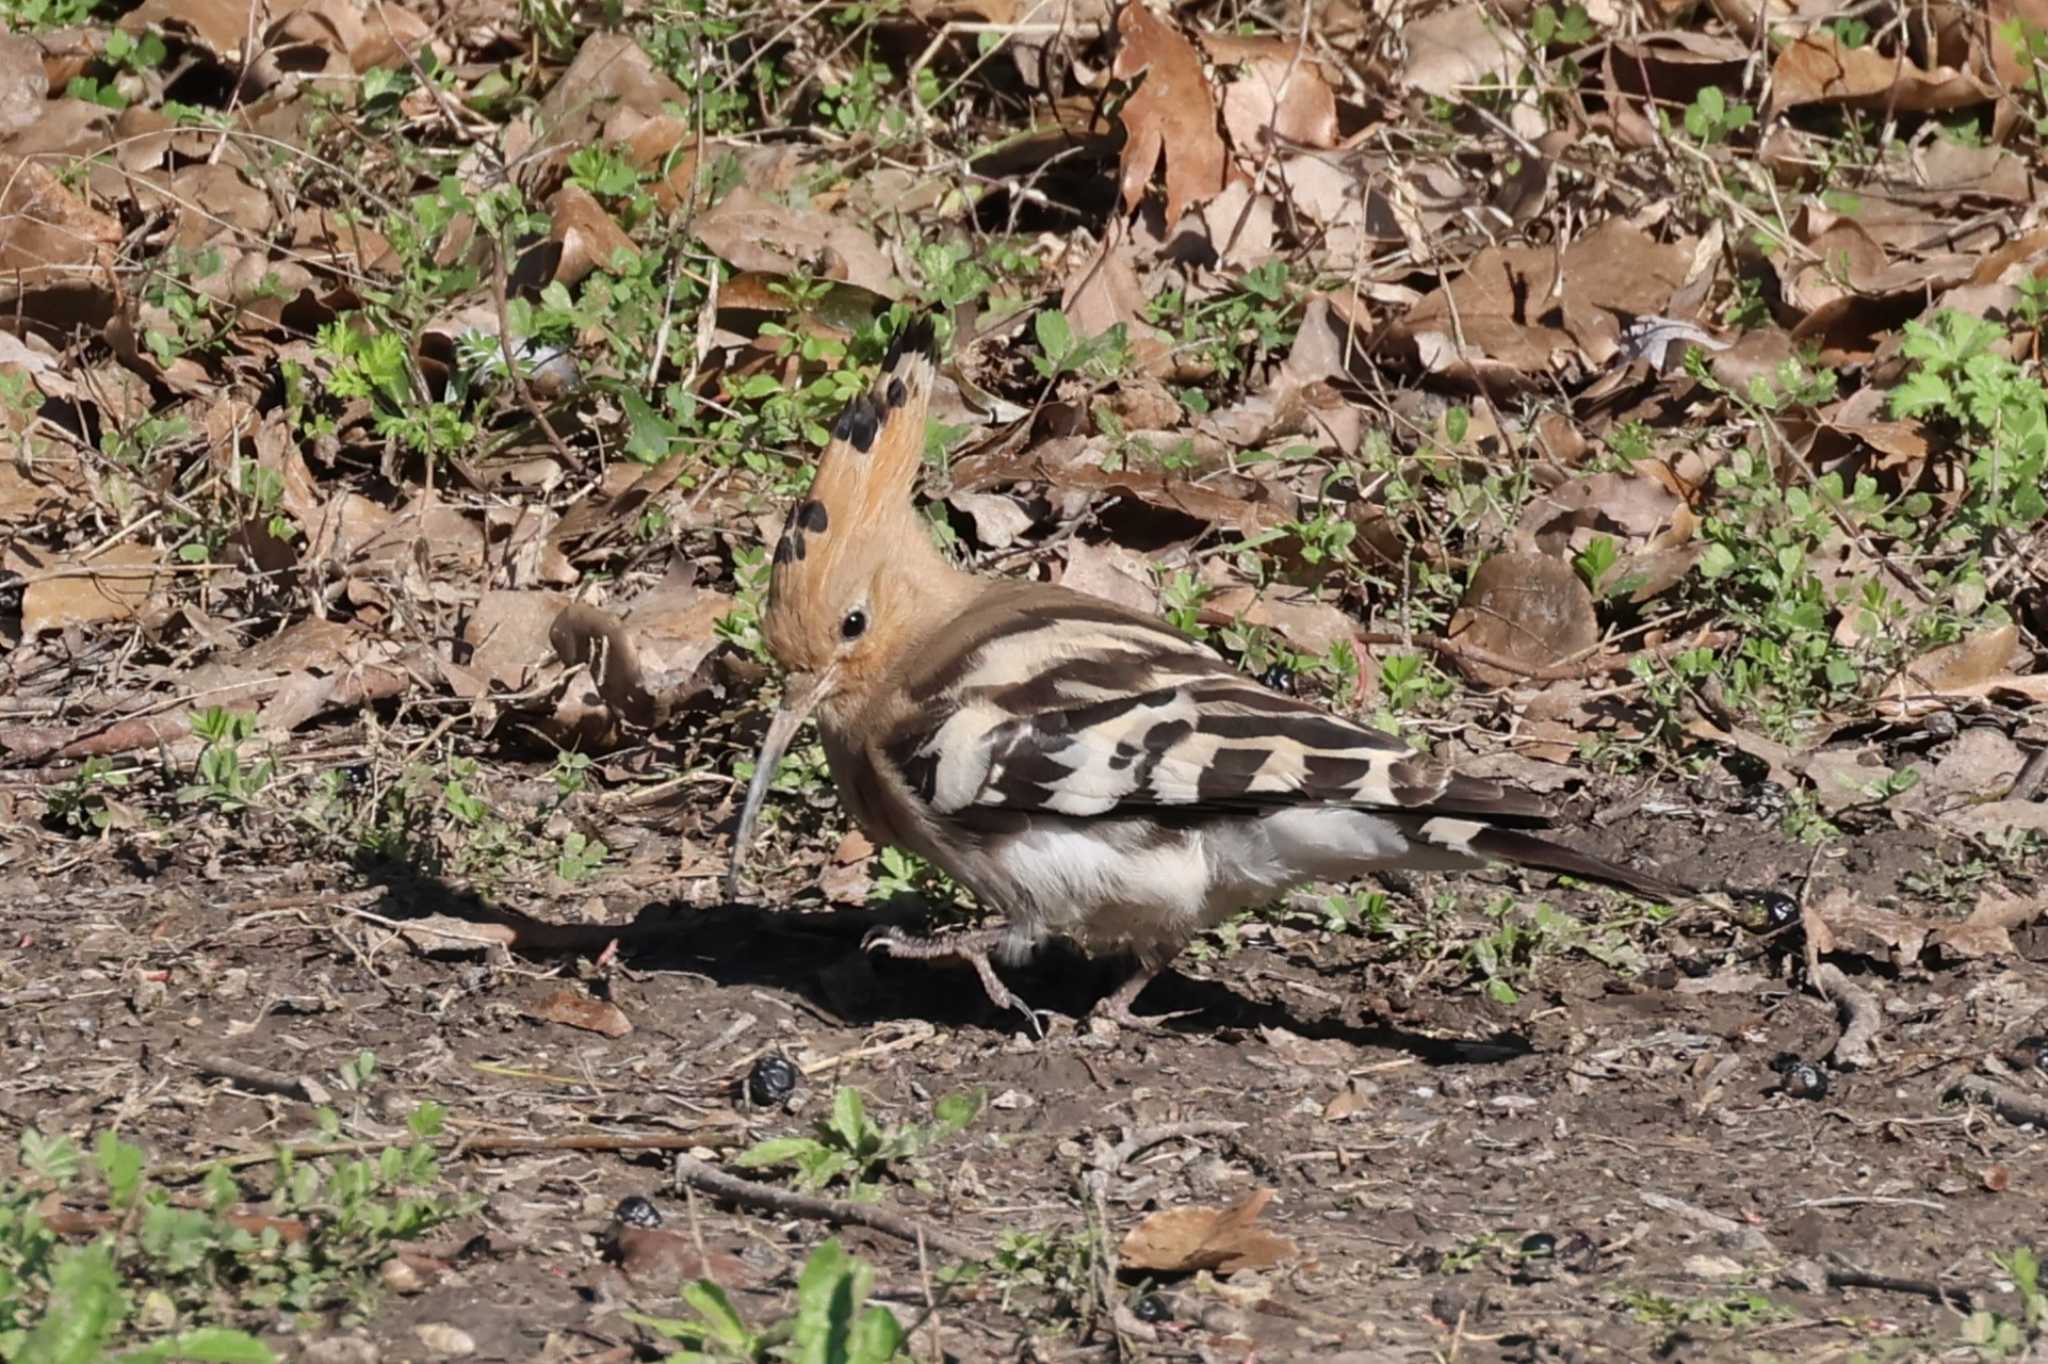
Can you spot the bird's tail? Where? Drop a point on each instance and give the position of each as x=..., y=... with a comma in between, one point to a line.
x=1492, y=843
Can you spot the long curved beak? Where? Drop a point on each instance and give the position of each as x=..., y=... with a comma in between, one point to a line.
x=800, y=696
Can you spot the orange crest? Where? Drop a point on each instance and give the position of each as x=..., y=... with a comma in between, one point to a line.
x=846, y=547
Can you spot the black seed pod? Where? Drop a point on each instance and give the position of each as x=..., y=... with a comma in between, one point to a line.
x=771, y=1080
x=1804, y=1080
x=635, y=1211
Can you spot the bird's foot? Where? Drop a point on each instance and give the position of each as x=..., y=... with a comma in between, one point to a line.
x=971, y=947
x=1116, y=1008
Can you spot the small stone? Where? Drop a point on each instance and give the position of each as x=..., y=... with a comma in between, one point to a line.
x=444, y=1339
x=339, y=1350
x=1716, y=1267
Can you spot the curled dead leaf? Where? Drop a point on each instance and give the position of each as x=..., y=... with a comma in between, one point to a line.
x=1221, y=1240
x=1171, y=116
x=574, y=1009
x=1987, y=932
x=1819, y=68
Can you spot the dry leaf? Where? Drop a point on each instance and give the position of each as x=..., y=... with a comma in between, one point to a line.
x=1172, y=115
x=611, y=73
x=1839, y=921
x=1452, y=50
x=47, y=233
x=1988, y=930
x=114, y=585
x=1280, y=97
x=24, y=84
x=1113, y=573
x=1528, y=607
x=1106, y=293
x=574, y=1009
x=589, y=237
x=1817, y=67
x=582, y=635
x=1294, y=613
x=754, y=233
x=1525, y=315
x=998, y=520
x=1222, y=1240
x=508, y=634
x=1960, y=666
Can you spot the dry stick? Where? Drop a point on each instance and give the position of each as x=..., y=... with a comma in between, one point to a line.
x=1862, y=1016
x=150, y=725
x=500, y=267
x=261, y=1079
x=2009, y=1103
x=1848, y=1277
x=1550, y=672
x=2031, y=778
x=719, y=1184
x=462, y=1146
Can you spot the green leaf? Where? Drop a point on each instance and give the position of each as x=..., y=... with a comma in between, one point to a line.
x=1055, y=336
x=719, y=1319
x=776, y=1151
x=876, y=1338
x=120, y=1164
x=1922, y=392
x=650, y=435
x=208, y=1344
x=850, y=1119
x=85, y=1305
x=955, y=1111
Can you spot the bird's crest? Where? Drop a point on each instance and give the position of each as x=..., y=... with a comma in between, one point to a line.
x=857, y=515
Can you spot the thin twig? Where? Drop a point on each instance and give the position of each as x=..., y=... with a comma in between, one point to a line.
x=482, y=1145
x=1569, y=670
x=1145, y=1138
x=837, y=1212
x=1849, y=1277
x=250, y=1076
x=500, y=267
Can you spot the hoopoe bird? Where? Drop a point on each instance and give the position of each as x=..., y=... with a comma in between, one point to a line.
x=1087, y=771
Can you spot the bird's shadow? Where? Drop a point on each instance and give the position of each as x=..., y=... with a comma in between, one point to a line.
x=816, y=955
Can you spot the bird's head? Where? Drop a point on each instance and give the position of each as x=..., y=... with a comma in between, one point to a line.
x=855, y=569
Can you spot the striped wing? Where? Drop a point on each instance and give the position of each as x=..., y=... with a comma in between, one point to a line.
x=1049, y=701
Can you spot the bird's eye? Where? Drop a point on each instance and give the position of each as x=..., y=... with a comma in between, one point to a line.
x=854, y=626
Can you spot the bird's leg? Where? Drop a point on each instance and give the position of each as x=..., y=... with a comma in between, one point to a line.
x=971, y=947
x=1116, y=1007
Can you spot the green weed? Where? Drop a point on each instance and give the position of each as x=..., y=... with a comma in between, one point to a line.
x=833, y=1321
x=850, y=1147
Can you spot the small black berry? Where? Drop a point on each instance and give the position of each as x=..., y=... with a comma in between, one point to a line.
x=1766, y=800
x=635, y=1211
x=1281, y=678
x=1152, y=1308
x=772, y=1079
x=1578, y=1252
x=1804, y=1080
x=1780, y=910
x=1539, y=1245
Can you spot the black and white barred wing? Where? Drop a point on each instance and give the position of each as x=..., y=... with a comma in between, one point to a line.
x=1080, y=711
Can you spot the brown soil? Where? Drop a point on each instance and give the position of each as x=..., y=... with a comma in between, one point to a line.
x=1634, y=1116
